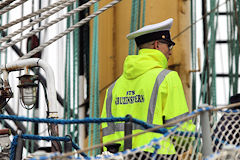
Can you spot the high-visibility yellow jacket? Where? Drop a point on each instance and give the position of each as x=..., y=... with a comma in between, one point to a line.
x=149, y=92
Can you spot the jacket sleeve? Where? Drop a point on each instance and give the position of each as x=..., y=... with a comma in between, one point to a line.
x=175, y=107
x=173, y=101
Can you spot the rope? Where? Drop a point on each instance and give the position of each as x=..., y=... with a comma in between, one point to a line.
x=6, y=51
x=211, y=53
x=51, y=12
x=13, y=147
x=66, y=101
x=96, y=127
x=5, y=3
x=76, y=147
x=133, y=26
x=193, y=54
x=190, y=116
x=79, y=24
x=76, y=121
x=41, y=47
x=12, y=6
x=94, y=92
x=179, y=34
x=46, y=138
x=36, y=137
x=75, y=88
x=63, y=121
x=143, y=12
x=114, y=119
x=209, y=62
x=68, y=69
x=132, y=135
x=226, y=107
x=32, y=14
x=29, y=34
x=188, y=27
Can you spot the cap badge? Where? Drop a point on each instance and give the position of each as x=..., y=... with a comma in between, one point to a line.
x=163, y=37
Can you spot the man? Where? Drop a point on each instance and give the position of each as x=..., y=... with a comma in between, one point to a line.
x=146, y=90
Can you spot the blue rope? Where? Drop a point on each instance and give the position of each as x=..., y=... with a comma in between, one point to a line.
x=156, y=148
x=63, y=121
x=13, y=147
x=188, y=134
x=231, y=111
x=96, y=120
x=52, y=138
x=89, y=120
x=163, y=131
x=76, y=147
x=46, y=138
x=86, y=120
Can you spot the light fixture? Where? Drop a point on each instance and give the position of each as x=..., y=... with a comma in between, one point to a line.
x=28, y=90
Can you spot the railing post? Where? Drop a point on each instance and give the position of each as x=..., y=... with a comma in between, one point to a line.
x=19, y=149
x=128, y=131
x=68, y=145
x=206, y=133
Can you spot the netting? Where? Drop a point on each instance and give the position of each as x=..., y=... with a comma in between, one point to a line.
x=228, y=152
x=176, y=141
x=186, y=146
x=225, y=131
x=183, y=145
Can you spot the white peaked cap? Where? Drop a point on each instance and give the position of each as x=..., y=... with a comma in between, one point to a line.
x=153, y=32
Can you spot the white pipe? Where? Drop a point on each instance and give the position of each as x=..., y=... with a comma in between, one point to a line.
x=51, y=90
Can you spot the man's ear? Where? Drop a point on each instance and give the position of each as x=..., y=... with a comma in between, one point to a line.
x=155, y=45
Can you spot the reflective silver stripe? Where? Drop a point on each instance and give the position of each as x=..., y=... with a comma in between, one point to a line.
x=109, y=105
x=109, y=100
x=107, y=131
x=118, y=127
x=152, y=104
x=114, y=127
x=175, y=118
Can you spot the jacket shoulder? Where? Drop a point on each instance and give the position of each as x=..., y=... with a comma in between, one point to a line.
x=173, y=73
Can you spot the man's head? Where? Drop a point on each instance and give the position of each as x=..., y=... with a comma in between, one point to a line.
x=156, y=36
x=160, y=45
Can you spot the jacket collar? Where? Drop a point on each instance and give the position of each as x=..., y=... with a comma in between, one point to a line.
x=136, y=65
x=158, y=54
